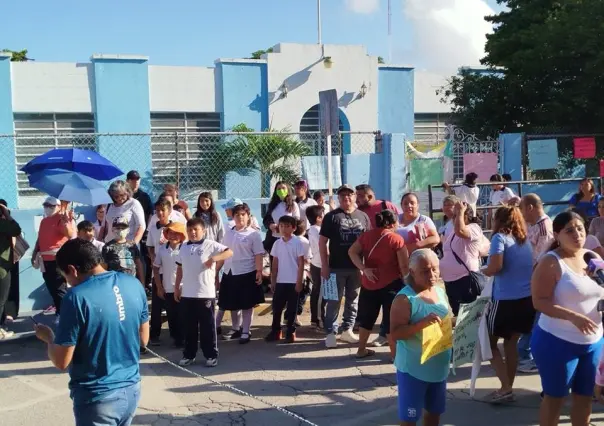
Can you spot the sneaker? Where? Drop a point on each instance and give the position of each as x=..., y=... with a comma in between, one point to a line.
x=155, y=341
x=331, y=341
x=527, y=367
x=379, y=342
x=5, y=334
x=232, y=335
x=186, y=361
x=211, y=362
x=290, y=338
x=273, y=336
x=245, y=338
x=349, y=337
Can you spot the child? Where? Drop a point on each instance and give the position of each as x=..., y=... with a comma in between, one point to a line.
x=240, y=289
x=212, y=220
x=315, y=215
x=86, y=232
x=99, y=223
x=287, y=273
x=164, y=274
x=121, y=255
x=300, y=232
x=228, y=211
x=195, y=289
x=319, y=197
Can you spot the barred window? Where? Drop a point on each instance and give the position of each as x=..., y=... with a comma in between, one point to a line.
x=430, y=126
x=194, y=133
x=39, y=133
x=310, y=128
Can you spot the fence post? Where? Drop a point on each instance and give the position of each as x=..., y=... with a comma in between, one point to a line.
x=177, y=160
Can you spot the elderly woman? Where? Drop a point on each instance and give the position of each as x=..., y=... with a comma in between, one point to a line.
x=418, y=305
x=124, y=206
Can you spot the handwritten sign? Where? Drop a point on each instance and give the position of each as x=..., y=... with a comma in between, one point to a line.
x=584, y=147
x=543, y=154
x=601, y=168
x=465, y=337
x=329, y=288
x=484, y=165
x=436, y=339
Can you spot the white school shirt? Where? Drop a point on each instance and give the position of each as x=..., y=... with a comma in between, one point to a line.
x=132, y=211
x=280, y=211
x=501, y=197
x=313, y=238
x=469, y=196
x=303, y=205
x=165, y=260
x=198, y=280
x=288, y=253
x=155, y=236
x=246, y=245
x=98, y=244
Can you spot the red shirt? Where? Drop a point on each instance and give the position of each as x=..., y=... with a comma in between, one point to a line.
x=383, y=258
x=376, y=208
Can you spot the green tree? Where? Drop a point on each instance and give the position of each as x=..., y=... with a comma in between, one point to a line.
x=381, y=60
x=18, y=55
x=258, y=53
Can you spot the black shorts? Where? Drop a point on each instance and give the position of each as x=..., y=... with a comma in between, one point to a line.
x=460, y=291
x=508, y=317
x=371, y=301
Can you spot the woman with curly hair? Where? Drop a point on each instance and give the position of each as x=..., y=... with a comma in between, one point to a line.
x=512, y=313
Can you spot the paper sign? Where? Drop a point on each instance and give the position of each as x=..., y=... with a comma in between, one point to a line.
x=436, y=339
x=543, y=154
x=601, y=168
x=424, y=172
x=484, y=165
x=584, y=147
x=329, y=288
x=465, y=337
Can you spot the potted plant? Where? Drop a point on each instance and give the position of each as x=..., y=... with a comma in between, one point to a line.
x=328, y=62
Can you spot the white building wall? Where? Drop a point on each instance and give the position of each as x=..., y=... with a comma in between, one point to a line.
x=182, y=89
x=426, y=99
x=301, y=67
x=52, y=87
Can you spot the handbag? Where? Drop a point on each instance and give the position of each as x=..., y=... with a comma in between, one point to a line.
x=20, y=248
x=478, y=280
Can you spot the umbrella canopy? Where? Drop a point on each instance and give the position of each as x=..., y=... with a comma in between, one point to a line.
x=70, y=186
x=86, y=162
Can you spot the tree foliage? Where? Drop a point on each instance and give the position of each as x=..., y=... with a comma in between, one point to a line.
x=18, y=55
x=258, y=53
x=381, y=60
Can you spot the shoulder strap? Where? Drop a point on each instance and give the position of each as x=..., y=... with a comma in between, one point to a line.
x=455, y=254
x=375, y=245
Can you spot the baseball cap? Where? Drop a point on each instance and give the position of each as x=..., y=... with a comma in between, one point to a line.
x=120, y=222
x=51, y=201
x=177, y=227
x=133, y=175
x=344, y=187
x=232, y=203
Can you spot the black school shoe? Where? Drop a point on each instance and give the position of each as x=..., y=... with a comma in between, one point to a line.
x=243, y=340
x=232, y=334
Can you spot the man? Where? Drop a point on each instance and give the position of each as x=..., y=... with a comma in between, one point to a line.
x=540, y=234
x=369, y=205
x=133, y=179
x=340, y=229
x=104, y=320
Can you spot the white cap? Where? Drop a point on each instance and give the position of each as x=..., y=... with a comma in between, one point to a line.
x=52, y=201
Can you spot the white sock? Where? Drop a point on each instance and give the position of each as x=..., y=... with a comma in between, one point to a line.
x=236, y=320
x=248, y=315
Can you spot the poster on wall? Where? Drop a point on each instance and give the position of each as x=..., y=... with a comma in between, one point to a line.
x=584, y=147
x=484, y=164
x=424, y=172
x=601, y=168
x=543, y=154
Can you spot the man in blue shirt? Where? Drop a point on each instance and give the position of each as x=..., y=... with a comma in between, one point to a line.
x=104, y=321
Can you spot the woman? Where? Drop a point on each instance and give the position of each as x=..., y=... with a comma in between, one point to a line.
x=596, y=226
x=467, y=192
x=206, y=210
x=417, y=230
x=281, y=204
x=512, y=313
x=422, y=387
x=567, y=341
x=381, y=256
x=462, y=249
x=241, y=288
x=99, y=223
x=9, y=229
x=179, y=205
x=303, y=199
x=586, y=200
x=448, y=212
x=124, y=206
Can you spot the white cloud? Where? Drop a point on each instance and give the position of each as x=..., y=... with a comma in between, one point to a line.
x=447, y=33
x=363, y=6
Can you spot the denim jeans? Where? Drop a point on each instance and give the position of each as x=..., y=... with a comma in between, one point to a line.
x=116, y=408
x=524, y=344
x=349, y=284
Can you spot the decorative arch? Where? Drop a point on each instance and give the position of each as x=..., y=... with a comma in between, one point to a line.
x=311, y=122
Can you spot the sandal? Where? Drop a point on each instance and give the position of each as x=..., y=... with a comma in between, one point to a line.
x=498, y=397
x=368, y=353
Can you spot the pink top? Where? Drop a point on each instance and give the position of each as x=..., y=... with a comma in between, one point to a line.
x=468, y=250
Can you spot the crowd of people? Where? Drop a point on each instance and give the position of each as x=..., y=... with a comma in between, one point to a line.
x=382, y=258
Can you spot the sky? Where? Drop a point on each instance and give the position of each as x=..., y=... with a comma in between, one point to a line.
x=435, y=35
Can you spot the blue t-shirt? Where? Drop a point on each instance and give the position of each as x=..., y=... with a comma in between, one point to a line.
x=588, y=208
x=513, y=281
x=101, y=317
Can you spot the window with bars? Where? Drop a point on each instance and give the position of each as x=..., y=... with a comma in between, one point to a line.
x=430, y=126
x=39, y=133
x=311, y=125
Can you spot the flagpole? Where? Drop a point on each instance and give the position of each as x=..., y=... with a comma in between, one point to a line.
x=319, y=22
x=389, y=32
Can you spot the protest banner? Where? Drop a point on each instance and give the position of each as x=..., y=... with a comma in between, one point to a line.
x=465, y=337
x=436, y=338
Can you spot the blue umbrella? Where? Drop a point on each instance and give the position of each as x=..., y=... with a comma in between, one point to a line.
x=70, y=186
x=83, y=161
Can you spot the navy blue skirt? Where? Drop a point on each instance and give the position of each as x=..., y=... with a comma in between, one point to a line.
x=239, y=292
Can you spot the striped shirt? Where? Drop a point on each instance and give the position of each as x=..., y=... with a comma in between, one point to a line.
x=541, y=236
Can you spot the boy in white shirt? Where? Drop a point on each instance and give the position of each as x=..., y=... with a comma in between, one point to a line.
x=306, y=282
x=287, y=275
x=315, y=215
x=195, y=289
x=164, y=274
x=86, y=233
